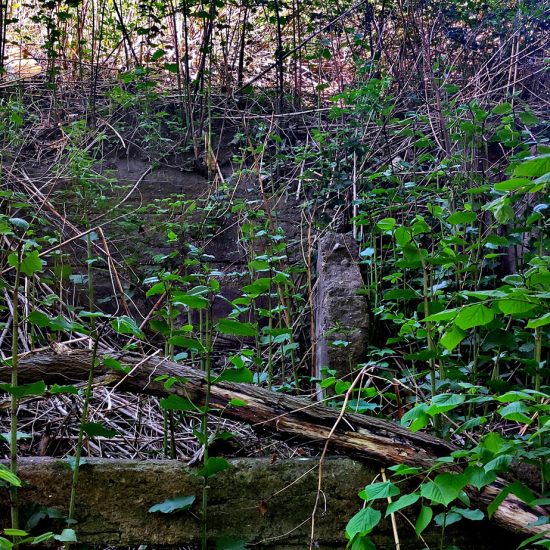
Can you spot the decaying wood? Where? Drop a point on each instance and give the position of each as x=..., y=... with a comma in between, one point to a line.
x=358, y=436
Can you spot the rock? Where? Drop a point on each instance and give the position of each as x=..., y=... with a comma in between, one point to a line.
x=341, y=315
x=262, y=502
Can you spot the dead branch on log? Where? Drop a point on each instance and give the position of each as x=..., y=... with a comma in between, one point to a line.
x=361, y=437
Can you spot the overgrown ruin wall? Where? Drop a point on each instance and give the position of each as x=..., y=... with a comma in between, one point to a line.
x=261, y=501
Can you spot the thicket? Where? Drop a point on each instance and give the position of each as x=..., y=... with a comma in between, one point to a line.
x=420, y=127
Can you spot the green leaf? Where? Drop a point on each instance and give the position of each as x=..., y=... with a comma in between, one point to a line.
x=502, y=109
x=478, y=477
x=461, y=218
x=517, y=488
x=516, y=411
x=402, y=502
x=474, y=316
x=7, y=475
x=38, y=319
x=401, y=294
x=67, y=535
x=31, y=263
x=539, y=321
x=445, y=402
x=452, y=338
x=212, y=466
x=423, y=520
x=517, y=302
x=444, y=488
x=177, y=403
x=35, y=388
x=15, y=532
x=466, y=513
x=240, y=376
x=94, y=429
x=237, y=403
x=363, y=522
x=382, y=489
x=20, y=223
x=416, y=418
x=362, y=543
x=191, y=301
x=127, y=325
x=386, y=224
x=171, y=505
x=446, y=315
x=533, y=167
x=512, y=184
x=236, y=328
x=187, y=343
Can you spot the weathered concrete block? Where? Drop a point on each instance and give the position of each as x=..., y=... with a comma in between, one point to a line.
x=263, y=503
x=340, y=313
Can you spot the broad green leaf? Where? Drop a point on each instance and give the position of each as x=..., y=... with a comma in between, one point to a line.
x=30, y=264
x=401, y=294
x=191, y=301
x=446, y=315
x=445, y=402
x=241, y=376
x=158, y=288
x=382, y=489
x=516, y=411
x=20, y=223
x=467, y=513
x=444, y=488
x=517, y=488
x=363, y=522
x=362, y=543
x=533, y=167
x=402, y=502
x=187, y=343
x=235, y=402
x=416, y=418
x=35, y=388
x=423, y=520
x=517, y=302
x=236, y=328
x=539, y=321
x=478, y=477
x=38, y=319
x=452, y=338
x=212, y=466
x=95, y=429
x=175, y=504
x=498, y=464
x=461, y=218
x=512, y=184
x=127, y=325
x=502, y=109
x=474, y=316
x=177, y=403
x=386, y=224
x=67, y=535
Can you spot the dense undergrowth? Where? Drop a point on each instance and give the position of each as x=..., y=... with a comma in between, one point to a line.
x=419, y=128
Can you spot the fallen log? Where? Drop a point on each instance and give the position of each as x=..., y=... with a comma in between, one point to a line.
x=358, y=436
